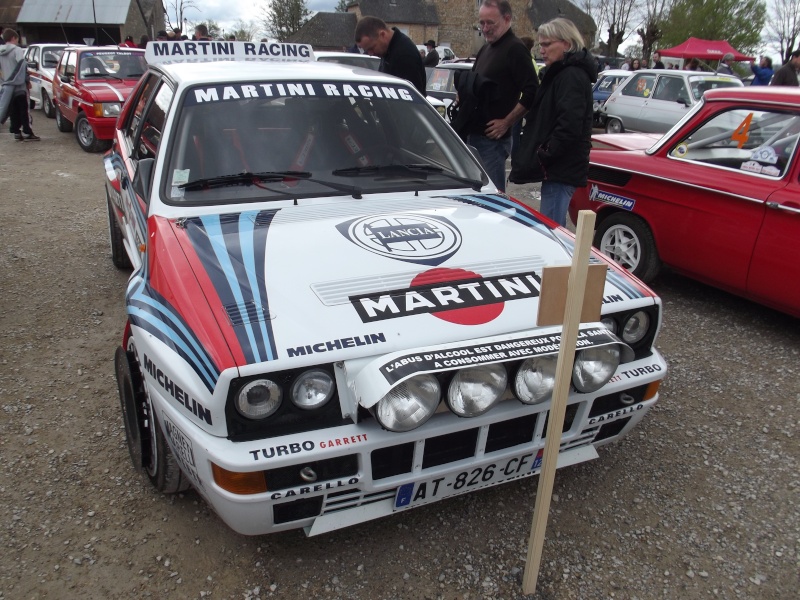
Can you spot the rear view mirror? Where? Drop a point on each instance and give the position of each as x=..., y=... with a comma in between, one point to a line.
x=32, y=64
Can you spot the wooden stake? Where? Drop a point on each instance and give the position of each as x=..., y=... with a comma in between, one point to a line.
x=576, y=288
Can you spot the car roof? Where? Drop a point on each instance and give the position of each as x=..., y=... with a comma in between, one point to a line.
x=614, y=73
x=772, y=94
x=455, y=66
x=329, y=53
x=192, y=73
x=107, y=49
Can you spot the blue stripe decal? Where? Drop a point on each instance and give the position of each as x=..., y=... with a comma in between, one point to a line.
x=232, y=249
x=213, y=227
x=510, y=208
x=150, y=311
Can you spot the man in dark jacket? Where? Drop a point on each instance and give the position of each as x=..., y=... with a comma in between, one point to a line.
x=399, y=55
x=787, y=74
x=506, y=62
x=432, y=57
x=555, y=143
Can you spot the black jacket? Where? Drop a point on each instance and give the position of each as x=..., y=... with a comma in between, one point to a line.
x=402, y=60
x=556, y=138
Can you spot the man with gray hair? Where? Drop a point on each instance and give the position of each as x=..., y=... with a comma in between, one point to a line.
x=724, y=67
x=505, y=61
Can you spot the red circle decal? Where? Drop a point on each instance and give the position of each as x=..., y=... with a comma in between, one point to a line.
x=471, y=315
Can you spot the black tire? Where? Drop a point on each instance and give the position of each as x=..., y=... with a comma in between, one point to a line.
x=63, y=125
x=148, y=449
x=629, y=242
x=614, y=125
x=86, y=137
x=118, y=254
x=47, y=106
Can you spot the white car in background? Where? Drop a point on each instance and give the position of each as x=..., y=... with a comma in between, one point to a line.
x=42, y=60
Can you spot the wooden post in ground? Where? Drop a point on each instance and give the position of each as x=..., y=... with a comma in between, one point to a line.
x=576, y=289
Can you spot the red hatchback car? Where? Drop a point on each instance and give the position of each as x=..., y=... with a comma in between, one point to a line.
x=90, y=87
x=717, y=198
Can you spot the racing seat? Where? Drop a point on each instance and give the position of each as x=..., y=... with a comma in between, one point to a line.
x=92, y=65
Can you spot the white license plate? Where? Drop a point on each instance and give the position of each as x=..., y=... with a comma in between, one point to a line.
x=422, y=492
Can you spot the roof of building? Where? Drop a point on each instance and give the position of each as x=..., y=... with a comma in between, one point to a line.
x=73, y=11
x=327, y=30
x=542, y=11
x=400, y=11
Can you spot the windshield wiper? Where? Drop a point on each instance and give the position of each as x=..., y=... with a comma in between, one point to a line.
x=405, y=171
x=247, y=178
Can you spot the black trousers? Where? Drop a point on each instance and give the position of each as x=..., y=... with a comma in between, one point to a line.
x=18, y=111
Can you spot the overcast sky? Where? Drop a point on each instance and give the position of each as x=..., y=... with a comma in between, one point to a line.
x=227, y=12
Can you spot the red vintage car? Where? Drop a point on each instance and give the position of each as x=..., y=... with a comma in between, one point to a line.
x=717, y=198
x=89, y=89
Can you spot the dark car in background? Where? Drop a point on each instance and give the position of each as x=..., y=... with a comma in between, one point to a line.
x=607, y=82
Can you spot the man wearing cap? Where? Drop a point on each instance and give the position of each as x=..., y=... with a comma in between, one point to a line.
x=432, y=57
x=724, y=67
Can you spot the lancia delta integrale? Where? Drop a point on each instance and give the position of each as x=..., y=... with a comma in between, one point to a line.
x=332, y=314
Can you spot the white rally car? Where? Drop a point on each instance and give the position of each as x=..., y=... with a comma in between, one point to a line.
x=332, y=313
x=42, y=61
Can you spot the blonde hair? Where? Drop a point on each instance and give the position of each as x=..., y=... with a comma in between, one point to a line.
x=564, y=30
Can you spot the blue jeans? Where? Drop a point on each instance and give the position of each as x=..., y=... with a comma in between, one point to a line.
x=493, y=154
x=555, y=201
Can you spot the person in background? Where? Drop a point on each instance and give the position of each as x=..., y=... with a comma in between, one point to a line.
x=128, y=43
x=399, y=55
x=724, y=67
x=787, y=74
x=693, y=65
x=636, y=64
x=432, y=57
x=161, y=36
x=626, y=65
x=143, y=41
x=762, y=74
x=13, y=68
x=505, y=61
x=555, y=143
x=657, y=64
x=201, y=33
x=517, y=129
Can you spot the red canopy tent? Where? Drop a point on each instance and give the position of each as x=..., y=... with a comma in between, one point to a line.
x=704, y=50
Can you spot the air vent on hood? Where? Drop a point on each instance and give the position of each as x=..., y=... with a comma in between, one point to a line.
x=245, y=313
x=612, y=177
x=336, y=292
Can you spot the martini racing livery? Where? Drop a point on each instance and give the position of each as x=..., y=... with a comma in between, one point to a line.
x=332, y=314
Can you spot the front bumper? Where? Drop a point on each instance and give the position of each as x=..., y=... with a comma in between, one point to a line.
x=365, y=472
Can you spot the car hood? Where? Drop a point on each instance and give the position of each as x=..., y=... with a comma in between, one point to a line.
x=327, y=282
x=111, y=90
x=625, y=141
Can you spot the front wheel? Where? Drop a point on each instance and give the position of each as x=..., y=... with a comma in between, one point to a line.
x=628, y=241
x=146, y=444
x=86, y=137
x=47, y=106
x=63, y=125
x=614, y=126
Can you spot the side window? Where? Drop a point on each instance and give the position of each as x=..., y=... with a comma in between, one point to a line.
x=70, y=63
x=753, y=141
x=639, y=86
x=145, y=92
x=670, y=89
x=62, y=67
x=153, y=123
x=33, y=54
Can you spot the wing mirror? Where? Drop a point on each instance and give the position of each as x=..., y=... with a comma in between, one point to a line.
x=32, y=64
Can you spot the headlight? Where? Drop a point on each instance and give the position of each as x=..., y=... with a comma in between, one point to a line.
x=636, y=327
x=410, y=404
x=594, y=367
x=312, y=389
x=535, y=379
x=258, y=399
x=107, y=109
x=610, y=324
x=473, y=391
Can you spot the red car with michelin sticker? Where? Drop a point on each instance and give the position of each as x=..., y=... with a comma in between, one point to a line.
x=331, y=311
x=89, y=89
x=717, y=198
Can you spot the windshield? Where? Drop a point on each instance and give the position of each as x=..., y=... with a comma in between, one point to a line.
x=111, y=64
x=50, y=56
x=700, y=85
x=296, y=140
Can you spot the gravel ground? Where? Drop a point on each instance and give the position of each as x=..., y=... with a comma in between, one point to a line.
x=700, y=501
